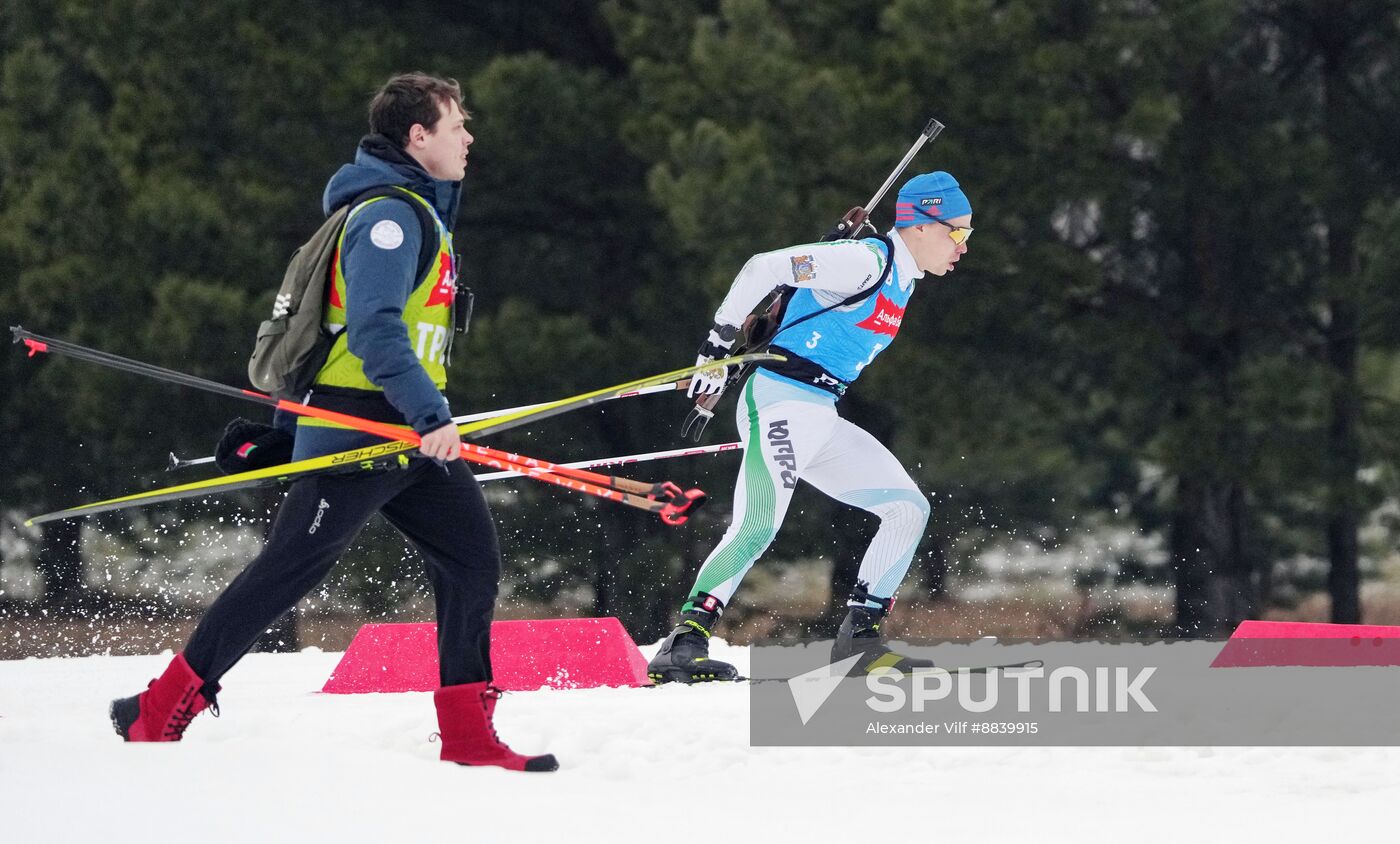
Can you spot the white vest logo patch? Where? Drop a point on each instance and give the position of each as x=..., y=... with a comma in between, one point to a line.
x=386, y=234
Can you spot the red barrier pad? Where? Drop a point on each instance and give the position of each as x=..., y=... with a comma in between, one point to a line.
x=558, y=653
x=1261, y=643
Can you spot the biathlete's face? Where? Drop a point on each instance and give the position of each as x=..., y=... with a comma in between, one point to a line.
x=940, y=244
x=442, y=150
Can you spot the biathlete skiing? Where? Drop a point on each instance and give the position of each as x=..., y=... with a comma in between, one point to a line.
x=390, y=309
x=846, y=305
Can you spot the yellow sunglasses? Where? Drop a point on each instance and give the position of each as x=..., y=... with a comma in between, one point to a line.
x=957, y=234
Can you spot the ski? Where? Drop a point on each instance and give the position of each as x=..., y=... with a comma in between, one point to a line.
x=626, y=459
x=496, y=424
x=378, y=456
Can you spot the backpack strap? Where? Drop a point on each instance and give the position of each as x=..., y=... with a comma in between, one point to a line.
x=427, y=225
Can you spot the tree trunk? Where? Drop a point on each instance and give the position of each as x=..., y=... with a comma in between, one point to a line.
x=629, y=581
x=1343, y=447
x=1343, y=577
x=60, y=563
x=1215, y=578
x=1196, y=597
x=1213, y=573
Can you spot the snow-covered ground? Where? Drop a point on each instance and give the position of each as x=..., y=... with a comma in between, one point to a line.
x=286, y=763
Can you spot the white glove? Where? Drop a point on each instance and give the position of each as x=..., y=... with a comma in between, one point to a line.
x=710, y=382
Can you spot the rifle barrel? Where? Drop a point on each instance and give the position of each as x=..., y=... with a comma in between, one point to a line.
x=930, y=132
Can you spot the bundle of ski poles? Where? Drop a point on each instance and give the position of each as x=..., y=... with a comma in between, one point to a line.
x=666, y=499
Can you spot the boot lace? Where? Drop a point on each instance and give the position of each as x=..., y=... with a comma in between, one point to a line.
x=210, y=701
x=184, y=713
x=494, y=693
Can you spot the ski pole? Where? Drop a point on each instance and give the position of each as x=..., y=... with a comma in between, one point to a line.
x=665, y=499
x=630, y=458
x=383, y=455
x=676, y=502
x=597, y=463
x=581, y=464
x=177, y=462
x=39, y=344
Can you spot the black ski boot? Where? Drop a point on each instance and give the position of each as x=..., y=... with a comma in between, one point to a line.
x=685, y=655
x=860, y=634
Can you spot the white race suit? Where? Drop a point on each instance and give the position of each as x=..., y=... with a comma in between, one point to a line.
x=787, y=418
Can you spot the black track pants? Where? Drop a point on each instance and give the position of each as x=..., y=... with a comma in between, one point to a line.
x=444, y=515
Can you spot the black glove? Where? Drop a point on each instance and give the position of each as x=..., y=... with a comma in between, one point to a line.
x=248, y=445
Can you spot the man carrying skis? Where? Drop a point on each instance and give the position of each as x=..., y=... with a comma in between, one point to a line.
x=846, y=307
x=388, y=363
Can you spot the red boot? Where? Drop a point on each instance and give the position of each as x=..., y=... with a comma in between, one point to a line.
x=166, y=708
x=468, y=735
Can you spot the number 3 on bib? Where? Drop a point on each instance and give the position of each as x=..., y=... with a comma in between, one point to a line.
x=816, y=337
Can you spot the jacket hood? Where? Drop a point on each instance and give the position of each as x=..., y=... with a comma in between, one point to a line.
x=379, y=162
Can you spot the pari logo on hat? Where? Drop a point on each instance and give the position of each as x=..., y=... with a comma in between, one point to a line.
x=930, y=196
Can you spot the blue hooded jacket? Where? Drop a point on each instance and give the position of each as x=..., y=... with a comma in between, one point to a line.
x=378, y=284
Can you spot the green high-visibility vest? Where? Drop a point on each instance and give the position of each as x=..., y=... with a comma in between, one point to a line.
x=427, y=314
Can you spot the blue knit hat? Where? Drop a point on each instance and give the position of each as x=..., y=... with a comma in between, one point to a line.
x=929, y=197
